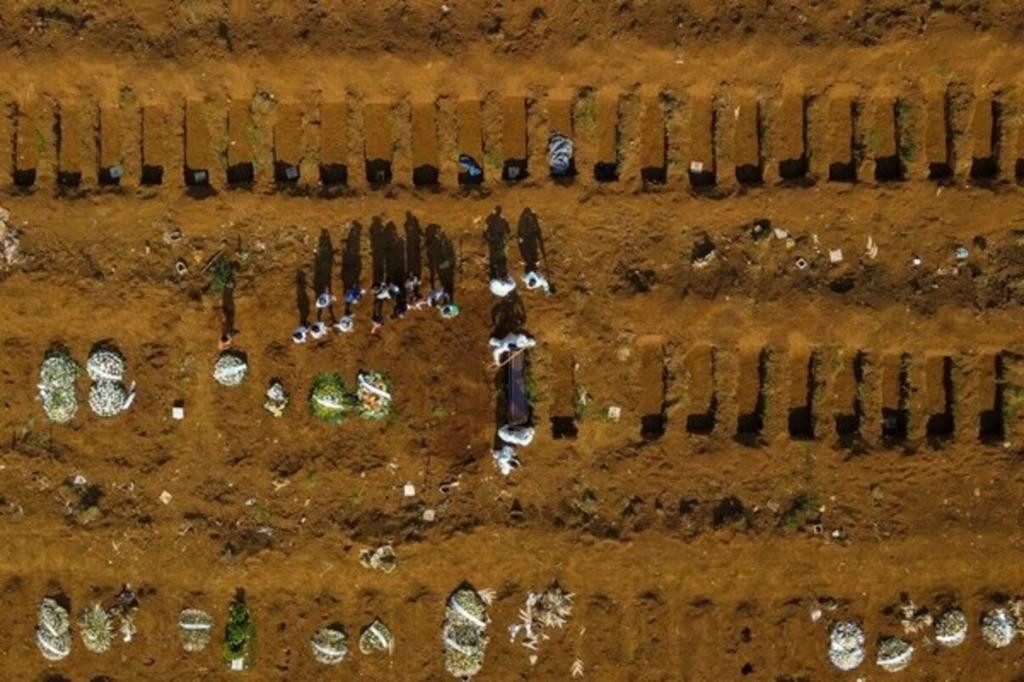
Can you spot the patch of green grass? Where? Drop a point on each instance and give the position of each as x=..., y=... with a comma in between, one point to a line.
x=239, y=632
x=491, y=159
x=41, y=144
x=222, y=151
x=252, y=133
x=906, y=123
x=222, y=275
x=586, y=115
x=581, y=403
x=804, y=506
x=261, y=514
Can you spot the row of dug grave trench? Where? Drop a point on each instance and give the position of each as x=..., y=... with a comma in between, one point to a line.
x=757, y=395
x=703, y=138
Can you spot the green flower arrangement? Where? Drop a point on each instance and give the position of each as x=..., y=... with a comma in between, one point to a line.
x=329, y=398
x=238, y=635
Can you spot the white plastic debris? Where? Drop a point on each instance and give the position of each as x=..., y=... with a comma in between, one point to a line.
x=915, y=260
x=429, y=515
x=502, y=286
x=696, y=167
x=780, y=233
x=801, y=263
x=506, y=459
x=535, y=280
x=835, y=256
x=409, y=490
x=177, y=412
x=166, y=497
x=614, y=413
x=508, y=344
x=516, y=435
x=961, y=253
x=872, y=249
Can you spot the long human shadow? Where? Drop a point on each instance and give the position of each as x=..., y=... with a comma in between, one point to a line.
x=323, y=263
x=440, y=259
x=413, y=246
x=531, y=240
x=379, y=249
x=227, y=328
x=395, y=262
x=352, y=258
x=508, y=316
x=496, y=233
x=302, y=297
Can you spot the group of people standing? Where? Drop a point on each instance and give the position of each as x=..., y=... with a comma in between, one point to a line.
x=396, y=277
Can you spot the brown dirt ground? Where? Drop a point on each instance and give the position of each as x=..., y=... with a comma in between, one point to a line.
x=667, y=587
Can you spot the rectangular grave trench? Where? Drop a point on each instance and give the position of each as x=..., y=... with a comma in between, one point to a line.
x=652, y=379
x=564, y=408
x=940, y=425
x=377, y=144
x=803, y=379
x=795, y=166
x=986, y=166
x=852, y=385
x=514, y=140
x=748, y=143
x=991, y=386
x=110, y=170
x=653, y=143
x=844, y=169
x=751, y=397
x=154, y=128
x=895, y=398
x=886, y=129
x=703, y=400
x=939, y=145
x=25, y=155
x=333, y=144
x=425, y=172
x=68, y=133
